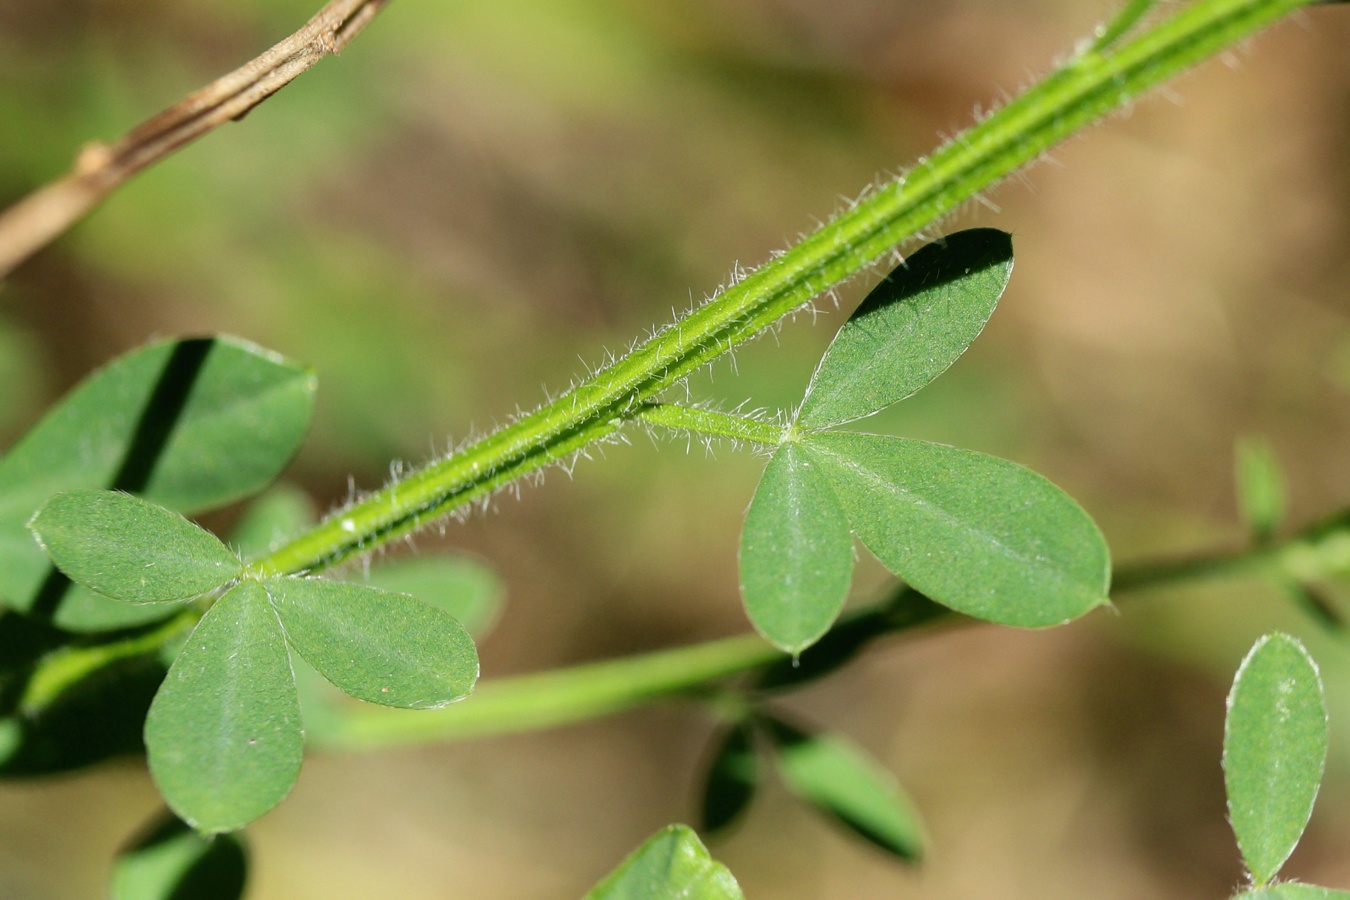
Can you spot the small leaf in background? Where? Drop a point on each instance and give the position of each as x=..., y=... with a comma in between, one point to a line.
x=910, y=329
x=128, y=549
x=796, y=555
x=170, y=861
x=190, y=425
x=981, y=535
x=733, y=777
x=270, y=520
x=1274, y=750
x=1260, y=487
x=464, y=587
x=383, y=648
x=840, y=780
x=671, y=865
x=223, y=734
x=1294, y=891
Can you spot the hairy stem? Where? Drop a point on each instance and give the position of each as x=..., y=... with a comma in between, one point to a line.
x=1087, y=88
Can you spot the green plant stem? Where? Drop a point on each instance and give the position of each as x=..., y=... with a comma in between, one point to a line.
x=550, y=699
x=565, y=696
x=70, y=664
x=1087, y=88
x=710, y=422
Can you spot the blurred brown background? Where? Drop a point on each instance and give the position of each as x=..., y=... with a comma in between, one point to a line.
x=476, y=200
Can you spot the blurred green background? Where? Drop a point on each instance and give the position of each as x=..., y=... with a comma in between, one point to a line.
x=464, y=211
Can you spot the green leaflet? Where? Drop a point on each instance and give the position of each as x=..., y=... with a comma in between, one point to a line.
x=1274, y=750
x=796, y=555
x=981, y=535
x=733, y=777
x=170, y=861
x=223, y=734
x=383, y=648
x=131, y=550
x=461, y=586
x=190, y=425
x=837, y=778
x=671, y=865
x=910, y=328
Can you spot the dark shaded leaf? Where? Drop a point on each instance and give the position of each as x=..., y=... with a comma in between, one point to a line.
x=733, y=777
x=170, y=861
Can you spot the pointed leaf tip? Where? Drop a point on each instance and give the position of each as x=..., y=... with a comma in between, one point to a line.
x=910, y=329
x=1275, y=746
x=128, y=549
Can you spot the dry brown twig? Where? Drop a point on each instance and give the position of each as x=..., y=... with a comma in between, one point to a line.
x=47, y=213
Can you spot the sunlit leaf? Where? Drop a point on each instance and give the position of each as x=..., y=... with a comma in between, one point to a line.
x=837, y=778
x=796, y=554
x=979, y=534
x=733, y=777
x=671, y=865
x=173, y=862
x=223, y=734
x=128, y=549
x=383, y=648
x=463, y=587
x=1274, y=750
x=188, y=424
x=911, y=327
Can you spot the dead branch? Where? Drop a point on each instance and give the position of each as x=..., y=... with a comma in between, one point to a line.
x=44, y=215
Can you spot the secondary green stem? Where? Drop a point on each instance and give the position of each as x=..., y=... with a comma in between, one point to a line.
x=710, y=422
x=565, y=696
x=1083, y=91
